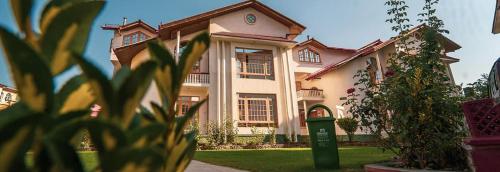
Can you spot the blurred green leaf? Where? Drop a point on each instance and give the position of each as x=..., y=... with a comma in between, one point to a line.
x=167, y=73
x=22, y=13
x=183, y=120
x=60, y=149
x=143, y=136
x=29, y=71
x=68, y=32
x=52, y=8
x=193, y=52
x=100, y=84
x=133, y=89
x=17, y=138
x=75, y=95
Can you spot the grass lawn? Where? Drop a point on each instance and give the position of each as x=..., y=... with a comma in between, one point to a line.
x=88, y=158
x=286, y=159
x=290, y=159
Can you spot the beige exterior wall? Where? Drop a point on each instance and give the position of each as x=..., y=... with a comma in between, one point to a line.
x=235, y=22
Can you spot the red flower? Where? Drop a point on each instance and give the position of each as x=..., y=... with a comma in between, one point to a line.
x=350, y=90
x=389, y=73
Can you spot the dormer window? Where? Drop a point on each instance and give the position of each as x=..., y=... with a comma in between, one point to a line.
x=308, y=55
x=134, y=38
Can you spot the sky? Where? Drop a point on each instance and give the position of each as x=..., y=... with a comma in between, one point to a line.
x=338, y=23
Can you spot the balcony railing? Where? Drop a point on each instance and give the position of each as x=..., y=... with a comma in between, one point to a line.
x=310, y=94
x=198, y=78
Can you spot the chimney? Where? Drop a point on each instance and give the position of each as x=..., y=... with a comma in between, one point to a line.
x=308, y=37
x=124, y=20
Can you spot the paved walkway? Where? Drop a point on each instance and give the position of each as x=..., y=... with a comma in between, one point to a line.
x=197, y=166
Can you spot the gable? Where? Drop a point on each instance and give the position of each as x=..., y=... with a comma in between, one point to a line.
x=201, y=21
x=235, y=22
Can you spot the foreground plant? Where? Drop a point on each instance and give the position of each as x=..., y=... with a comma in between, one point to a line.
x=45, y=121
x=415, y=110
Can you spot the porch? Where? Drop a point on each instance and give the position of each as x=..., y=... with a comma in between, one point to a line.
x=310, y=95
x=197, y=80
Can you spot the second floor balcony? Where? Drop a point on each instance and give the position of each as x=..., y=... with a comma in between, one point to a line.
x=198, y=79
x=310, y=94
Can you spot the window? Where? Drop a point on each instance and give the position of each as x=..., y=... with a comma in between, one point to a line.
x=134, y=38
x=250, y=19
x=372, y=68
x=184, y=103
x=340, y=112
x=302, y=116
x=257, y=110
x=8, y=97
x=307, y=55
x=255, y=64
x=196, y=67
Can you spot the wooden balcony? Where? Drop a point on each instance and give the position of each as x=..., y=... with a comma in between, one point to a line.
x=310, y=94
x=197, y=79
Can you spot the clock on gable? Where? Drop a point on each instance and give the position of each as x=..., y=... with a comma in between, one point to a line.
x=250, y=19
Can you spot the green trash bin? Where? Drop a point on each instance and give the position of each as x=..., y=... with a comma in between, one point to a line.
x=323, y=139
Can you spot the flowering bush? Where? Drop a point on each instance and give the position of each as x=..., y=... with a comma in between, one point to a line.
x=415, y=110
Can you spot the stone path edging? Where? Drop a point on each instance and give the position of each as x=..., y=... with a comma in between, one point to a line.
x=197, y=166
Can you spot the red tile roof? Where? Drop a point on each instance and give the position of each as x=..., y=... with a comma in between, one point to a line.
x=318, y=44
x=377, y=45
x=5, y=87
x=126, y=53
x=365, y=50
x=138, y=23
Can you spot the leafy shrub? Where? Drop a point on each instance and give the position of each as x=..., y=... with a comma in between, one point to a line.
x=349, y=125
x=85, y=143
x=257, y=136
x=215, y=136
x=478, y=89
x=271, y=133
x=231, y=131
x=415, y=110
x=44, y=121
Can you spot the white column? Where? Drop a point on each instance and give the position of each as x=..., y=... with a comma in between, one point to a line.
x=293, y=92
x=224, y=90
x=218, y=104
x=177, y=49
x=379, y=65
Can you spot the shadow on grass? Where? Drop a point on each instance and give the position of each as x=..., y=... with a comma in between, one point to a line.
x=291, y=159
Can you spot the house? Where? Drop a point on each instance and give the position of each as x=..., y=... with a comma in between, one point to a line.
x=8, y=96
x=336, y=78
x=496, y=18
x=254, y=73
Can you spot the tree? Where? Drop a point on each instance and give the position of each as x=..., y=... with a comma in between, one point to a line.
x=414, y=111
x=478, y=89
x=349, y=125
